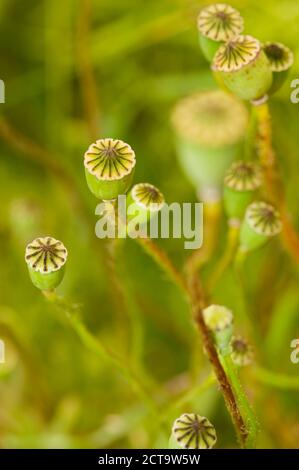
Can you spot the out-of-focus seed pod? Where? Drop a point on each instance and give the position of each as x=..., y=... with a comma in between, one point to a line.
x=216, y=24
x=109, y=168
x=46, y=258
x=241, y=351
x=244, y=67
x=209, y=127
x=192, y=431
x=261, y=222
x=145, y=200
x=219, y=320
x=242, y=179
x=281, y=59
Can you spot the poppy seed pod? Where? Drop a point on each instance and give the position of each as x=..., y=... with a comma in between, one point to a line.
x=192, y=431
x=145, y=199
x=46, y=258
x=240, y=182
x=281, y=60
x=261, y=222
x=219, y=320
x=209, y=127
x=109, y=168
x=244, y=67
x=216, y=24
x=241, y=351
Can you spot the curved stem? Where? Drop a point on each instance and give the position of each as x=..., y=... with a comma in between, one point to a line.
x=86, y=74
x=227, y=257
x=97, y=347
x=162, y=260
x=275, y=379
x=212, y=213
x=195, y=295
x=245, y=407
x=275, y=189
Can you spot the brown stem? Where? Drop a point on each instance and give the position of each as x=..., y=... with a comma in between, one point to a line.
x=274, y=184
x=195, y=296
x=212, y=212
x=161, y=258
x=197, y=304
x=86, y=74
x=43, y=157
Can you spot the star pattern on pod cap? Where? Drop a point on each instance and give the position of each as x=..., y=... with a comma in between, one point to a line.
x=217, y=317
x=212, y=118
x=241, y=351
x=263, y=218
x=109, y=159
x=220, y=22
x=236, y=53
x=45, y=255
x=280, y=57
x=148, y=196
x=193, y=431
x=243, y=176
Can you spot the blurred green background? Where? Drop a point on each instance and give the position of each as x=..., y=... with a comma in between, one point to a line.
x=130, y=60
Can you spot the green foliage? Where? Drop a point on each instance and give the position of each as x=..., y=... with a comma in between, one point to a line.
x=145, y=57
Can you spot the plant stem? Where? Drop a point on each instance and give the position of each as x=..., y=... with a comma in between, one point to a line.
x=227, y=257
x=97, y=347
x=275, y=189
x=197, y=305
x=86, y=74
x=275, y=379
x=162, y=260
x=212, y=212
x=195, y=294
x=190, y=395
x=243, y=403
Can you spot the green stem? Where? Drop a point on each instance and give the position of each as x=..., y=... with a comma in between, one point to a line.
x=245, y=311
x=276, y=380
x=97, y=347
x=227, y=257
x=244, y=405
x=162, y=260
x=190, y=395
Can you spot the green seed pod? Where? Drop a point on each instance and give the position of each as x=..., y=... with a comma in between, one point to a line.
x=240, y=182
x=216, y=24
x=244, y=67
x=241, y=351
x=261, y=222
x=45, y=258
x=146, y=200
x=281, y=59
x=192, y=431
x=219, y=320
x=210, y=127
x=109, y=168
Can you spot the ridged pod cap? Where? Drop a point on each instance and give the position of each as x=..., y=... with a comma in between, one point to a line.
x=46, y=258
x=281, y=59
x=192, y=431
x=243, y=176
x=145, y=200
x=240, y=182
x=213, y=118
x=241, y=351
x=262, y=221
x=217, y=23
x=220, y=22
x=209, y=129
x=219, y=320
x=109, y=168
x=244, y=67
